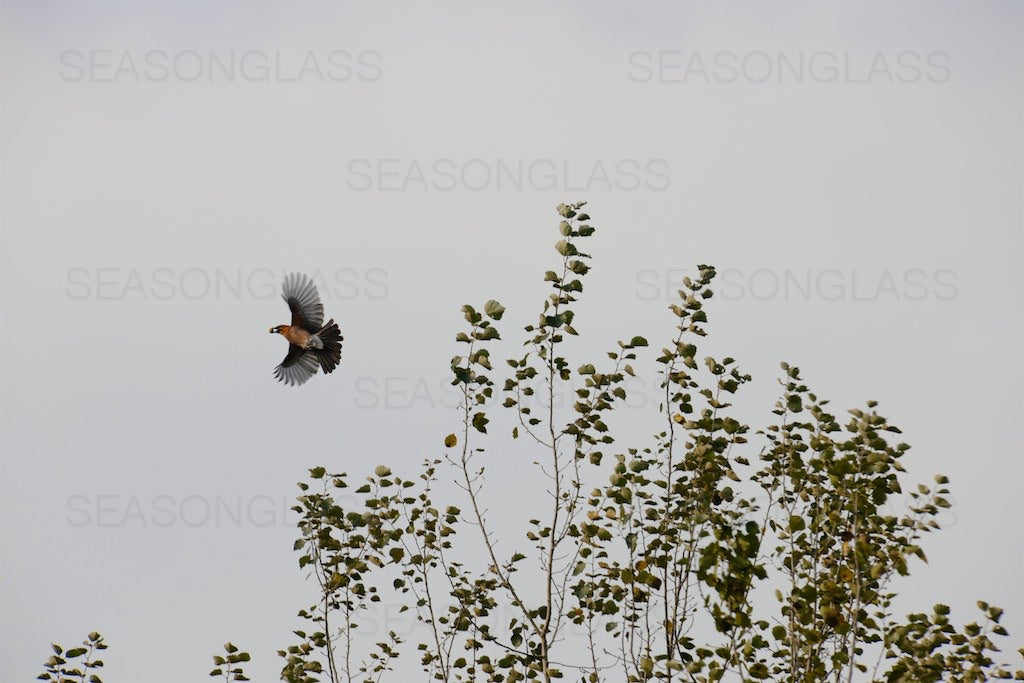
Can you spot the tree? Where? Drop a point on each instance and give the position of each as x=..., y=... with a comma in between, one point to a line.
x=706, y=554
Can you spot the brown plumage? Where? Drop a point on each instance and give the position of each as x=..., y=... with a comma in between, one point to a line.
x=311, y=344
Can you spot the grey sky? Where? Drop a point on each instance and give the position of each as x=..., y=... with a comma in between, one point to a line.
x=854, y=170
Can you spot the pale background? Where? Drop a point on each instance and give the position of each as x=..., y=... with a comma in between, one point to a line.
x=152, y=200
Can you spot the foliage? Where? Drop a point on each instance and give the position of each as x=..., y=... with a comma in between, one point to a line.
x=228, y=665
x=74, y=664
x=655, y=561
x=342, y=548
x=649, y=561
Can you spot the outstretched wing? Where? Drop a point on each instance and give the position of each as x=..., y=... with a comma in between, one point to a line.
x=297, y=367
x=304, y=302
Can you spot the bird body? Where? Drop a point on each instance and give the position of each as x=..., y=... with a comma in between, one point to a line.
x=311, y=344
x=300, y=337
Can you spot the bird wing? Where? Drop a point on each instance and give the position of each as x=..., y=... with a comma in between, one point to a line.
x=304, y=302
x=297, y=367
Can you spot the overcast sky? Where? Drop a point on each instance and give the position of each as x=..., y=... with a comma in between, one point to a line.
x=854, y=170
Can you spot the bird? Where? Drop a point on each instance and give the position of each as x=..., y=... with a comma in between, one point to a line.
x=311, y=344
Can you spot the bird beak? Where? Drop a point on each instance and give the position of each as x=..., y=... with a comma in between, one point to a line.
x=271, y=330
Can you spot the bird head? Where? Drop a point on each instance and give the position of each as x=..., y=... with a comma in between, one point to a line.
x=278, y=329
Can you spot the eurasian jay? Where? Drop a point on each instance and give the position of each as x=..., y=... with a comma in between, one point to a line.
x=311, y=344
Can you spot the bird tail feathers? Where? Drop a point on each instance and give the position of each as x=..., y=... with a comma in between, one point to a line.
x=330, y=355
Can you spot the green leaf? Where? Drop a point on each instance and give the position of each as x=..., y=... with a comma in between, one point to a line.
x=493, y=309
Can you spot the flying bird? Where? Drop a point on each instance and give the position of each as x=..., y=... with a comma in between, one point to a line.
x=311, y=344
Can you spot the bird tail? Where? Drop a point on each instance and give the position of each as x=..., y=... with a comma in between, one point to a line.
x=330, y=355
